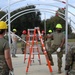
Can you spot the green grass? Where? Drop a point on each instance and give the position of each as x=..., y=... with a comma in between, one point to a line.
x=71, y=40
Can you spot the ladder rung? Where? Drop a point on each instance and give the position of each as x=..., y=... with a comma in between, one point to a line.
x=31, y=29
x=35, y=47
x=35, y=53
x=31, y=35
x=31, y=41
x=36, y=27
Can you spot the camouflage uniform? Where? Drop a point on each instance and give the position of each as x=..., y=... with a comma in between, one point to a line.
x=70, y=61
x=23, y=44
x=48, y=44
x=14, y=44
x=57, y=38
x=4, y=70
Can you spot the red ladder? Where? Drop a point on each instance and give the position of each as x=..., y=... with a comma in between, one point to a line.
x=33, y=48
x=44, y=50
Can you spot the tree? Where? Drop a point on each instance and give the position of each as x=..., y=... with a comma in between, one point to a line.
x=2, y=13
x=51, y=23
x=26, y=21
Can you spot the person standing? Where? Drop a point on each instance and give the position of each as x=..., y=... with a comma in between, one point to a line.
x=5, y=57
x=23, y=44
x=14, y=42
x=70, y=62
x=58, y=43
x=48, y=42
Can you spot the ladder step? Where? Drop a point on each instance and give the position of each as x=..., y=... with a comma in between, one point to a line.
x=35, y=53
x=31, y=29
x=31, y=35
x=35, y=47
x=31, y=41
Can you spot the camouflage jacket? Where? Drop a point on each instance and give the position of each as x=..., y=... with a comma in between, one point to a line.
x=70, y=59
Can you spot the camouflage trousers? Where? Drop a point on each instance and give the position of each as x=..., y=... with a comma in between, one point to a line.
x=71, y=72
x=14, y=48
x=59, y=55
x=4, y=70
x=23, y=47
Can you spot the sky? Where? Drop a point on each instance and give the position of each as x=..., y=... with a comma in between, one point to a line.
x=46, y=7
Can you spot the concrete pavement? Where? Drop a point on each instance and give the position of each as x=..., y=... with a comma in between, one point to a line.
x=35, y=68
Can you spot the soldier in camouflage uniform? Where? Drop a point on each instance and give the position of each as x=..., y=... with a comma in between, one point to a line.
x=48, y=42
x=5, y=58
x=23, y=44
x=14, y=43
x=58, y=42
x=70, y=62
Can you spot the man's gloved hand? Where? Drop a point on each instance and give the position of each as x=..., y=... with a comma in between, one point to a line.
x=59, y=49
x=20, y=39
x=11, y=72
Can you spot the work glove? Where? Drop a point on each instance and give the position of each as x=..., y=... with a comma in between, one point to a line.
x=59, y=49
x=19, y=39
x=11, y=72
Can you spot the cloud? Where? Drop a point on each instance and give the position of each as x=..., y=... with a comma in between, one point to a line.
x=62, y=0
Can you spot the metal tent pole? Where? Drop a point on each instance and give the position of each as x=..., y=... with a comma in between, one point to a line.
x=66, y=16
x=9, y=22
